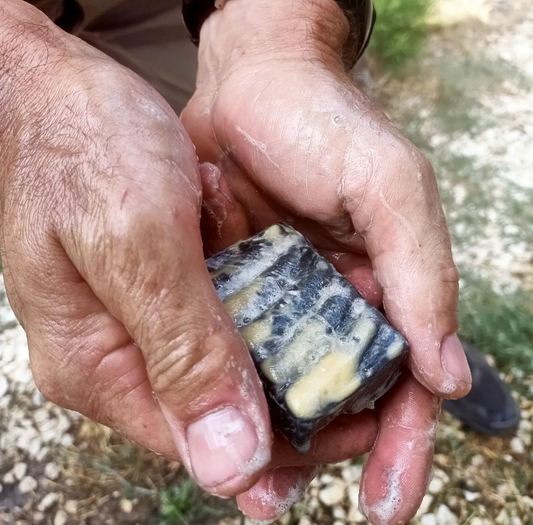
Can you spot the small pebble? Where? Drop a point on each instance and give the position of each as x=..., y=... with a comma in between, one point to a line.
x=71, y=506
x=526, y=500
x=60, y=518
x=332, y=495
x=436, y=486
x=315, y=482
x=326, y=479
x=445, y=516
x=50, y=499
x=4, y=385
x=339, y=513
x=428, y=519
x=9, y=478
x=285, y=519
x=305, y=521
x=471, y=496
x=313, y=504
x=477, y=460
x=41, y=455
x=525, y=425
x=517, y=445
x=356, y=516
x=19, y=470
x=51, y=471
x=502, y=518
x=440, y=474
x=28, y=484
x=425, y=505
x=353, y=495
x=126, y=506
x=352, y=474
x=37, y=398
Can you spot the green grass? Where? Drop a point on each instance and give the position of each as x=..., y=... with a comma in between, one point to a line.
x=462, y=83
x=400, y=31
x=184, y=504
x=500, y=324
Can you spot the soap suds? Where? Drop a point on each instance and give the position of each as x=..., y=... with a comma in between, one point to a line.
x=271, y=499
x=385, y=509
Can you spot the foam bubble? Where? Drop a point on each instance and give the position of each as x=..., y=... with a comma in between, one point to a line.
x=385, y=509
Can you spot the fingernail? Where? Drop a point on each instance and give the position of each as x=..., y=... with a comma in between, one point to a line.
x=220, y=446
x=454, y=361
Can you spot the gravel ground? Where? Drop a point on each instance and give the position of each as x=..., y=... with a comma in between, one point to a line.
x=470, y=109
x=32, y=432
x=56, y=468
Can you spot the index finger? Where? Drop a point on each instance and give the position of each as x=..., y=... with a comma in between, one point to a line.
x=404, y=227
x=396, y=475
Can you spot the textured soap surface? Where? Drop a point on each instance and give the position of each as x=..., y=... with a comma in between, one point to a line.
x=319, y=347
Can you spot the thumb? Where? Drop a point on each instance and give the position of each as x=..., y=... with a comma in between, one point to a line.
x=148, y=270
x=408, y=242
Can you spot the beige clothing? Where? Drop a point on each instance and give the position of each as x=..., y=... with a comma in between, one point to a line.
x=148, y=36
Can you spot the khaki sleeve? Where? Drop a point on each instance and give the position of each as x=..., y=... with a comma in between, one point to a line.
x=52, y=8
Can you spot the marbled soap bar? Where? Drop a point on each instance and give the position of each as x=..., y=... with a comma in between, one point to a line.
x=319, y=347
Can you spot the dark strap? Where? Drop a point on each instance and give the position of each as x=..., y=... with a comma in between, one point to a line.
x=360, y=13
x=195, y=13
x=363, y=23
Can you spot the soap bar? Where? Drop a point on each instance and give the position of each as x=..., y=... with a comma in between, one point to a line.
x=319, y=347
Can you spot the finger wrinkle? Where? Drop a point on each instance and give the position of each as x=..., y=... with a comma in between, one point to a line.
x=403, y=221
x=261, y=147
x=430, y=431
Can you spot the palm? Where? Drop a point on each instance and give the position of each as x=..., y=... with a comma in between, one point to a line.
x=278, y=146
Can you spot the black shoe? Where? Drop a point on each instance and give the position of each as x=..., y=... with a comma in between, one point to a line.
x=489, y=407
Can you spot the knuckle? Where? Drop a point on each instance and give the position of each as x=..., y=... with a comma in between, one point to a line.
x=381, y=171
x=192, y=363
x=47, y=383
x=403, y=163
x=449, y=274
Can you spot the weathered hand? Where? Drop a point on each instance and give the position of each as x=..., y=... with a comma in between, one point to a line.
x=99, y=226
x=295, y=141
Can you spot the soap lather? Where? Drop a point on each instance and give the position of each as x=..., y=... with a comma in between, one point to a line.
x=319, y=347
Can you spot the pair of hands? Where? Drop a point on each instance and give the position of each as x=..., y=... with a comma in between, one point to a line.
x=100, y=201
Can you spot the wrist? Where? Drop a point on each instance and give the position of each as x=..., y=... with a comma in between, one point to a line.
x=251, y=30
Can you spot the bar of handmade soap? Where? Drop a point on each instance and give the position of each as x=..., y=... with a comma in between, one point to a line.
x=318, y=346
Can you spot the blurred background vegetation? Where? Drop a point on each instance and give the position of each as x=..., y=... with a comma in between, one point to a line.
x=400, y=32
